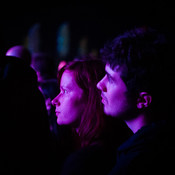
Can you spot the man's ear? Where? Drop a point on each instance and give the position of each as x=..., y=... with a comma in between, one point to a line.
x=144, y=100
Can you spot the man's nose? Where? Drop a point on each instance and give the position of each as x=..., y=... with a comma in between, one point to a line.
x=101, y=85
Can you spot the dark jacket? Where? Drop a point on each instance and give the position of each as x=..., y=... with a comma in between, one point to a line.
x=148, y=151
x=93, y=159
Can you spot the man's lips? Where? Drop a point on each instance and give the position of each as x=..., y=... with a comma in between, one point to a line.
x=103, y=100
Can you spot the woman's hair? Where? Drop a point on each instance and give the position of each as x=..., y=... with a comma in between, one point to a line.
x=87, y=73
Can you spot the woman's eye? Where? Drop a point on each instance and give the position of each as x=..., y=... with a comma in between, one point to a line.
x=65, y=91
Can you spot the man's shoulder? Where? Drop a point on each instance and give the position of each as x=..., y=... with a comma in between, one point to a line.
x=148, y=134
x=147, y=150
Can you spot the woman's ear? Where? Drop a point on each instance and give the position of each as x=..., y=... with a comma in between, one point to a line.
x=144, y=100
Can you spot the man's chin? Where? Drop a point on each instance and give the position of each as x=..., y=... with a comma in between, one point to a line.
x=124, y=115
x=108, y=113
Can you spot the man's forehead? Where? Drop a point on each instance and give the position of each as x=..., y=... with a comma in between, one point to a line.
x=121, y=69
x=109, y=70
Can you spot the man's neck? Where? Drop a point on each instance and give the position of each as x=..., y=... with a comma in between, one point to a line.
x=137, y=123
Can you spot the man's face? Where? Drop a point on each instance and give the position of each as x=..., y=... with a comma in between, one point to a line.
x=113, y=93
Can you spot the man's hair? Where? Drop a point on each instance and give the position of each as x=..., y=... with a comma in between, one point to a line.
x=140, y=56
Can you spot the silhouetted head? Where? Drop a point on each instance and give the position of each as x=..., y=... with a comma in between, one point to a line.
x=44, y=65
x=21, y=52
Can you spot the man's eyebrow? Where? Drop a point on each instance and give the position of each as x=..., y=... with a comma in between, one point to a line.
x=108, y=74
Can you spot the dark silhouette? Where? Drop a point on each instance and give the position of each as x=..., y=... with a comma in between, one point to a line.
x=26, y=142
x=21, y=52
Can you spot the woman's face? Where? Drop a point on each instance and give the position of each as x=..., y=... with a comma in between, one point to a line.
x=70, y=102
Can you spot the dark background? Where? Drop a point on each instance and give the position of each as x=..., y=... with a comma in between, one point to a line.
x=98, y=22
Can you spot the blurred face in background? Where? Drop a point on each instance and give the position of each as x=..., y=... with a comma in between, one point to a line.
x=70, y=102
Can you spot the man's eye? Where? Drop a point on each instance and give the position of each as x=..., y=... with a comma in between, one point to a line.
x=109, y=78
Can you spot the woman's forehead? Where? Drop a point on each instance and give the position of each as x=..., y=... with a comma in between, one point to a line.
x=68, y=80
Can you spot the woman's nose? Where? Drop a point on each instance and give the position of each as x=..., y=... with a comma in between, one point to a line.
x=55, y=101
